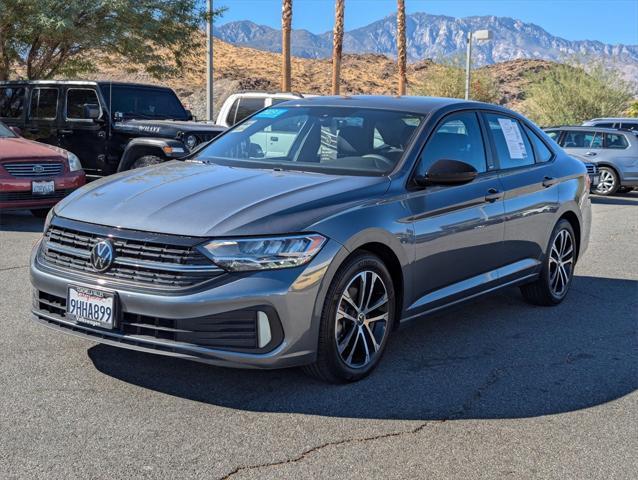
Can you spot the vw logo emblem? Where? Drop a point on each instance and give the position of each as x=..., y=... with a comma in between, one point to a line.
x=102, y=255
x=38, y=169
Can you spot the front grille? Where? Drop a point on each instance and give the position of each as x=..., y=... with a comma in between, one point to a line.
x=235, y=330
x=24, y=196
x=138, y=262
x=34, y=170
x=591, y=168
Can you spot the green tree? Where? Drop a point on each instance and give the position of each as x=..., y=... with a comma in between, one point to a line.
x=573, y=92
x=446, y=78
x=632, y=111
x=45, y=38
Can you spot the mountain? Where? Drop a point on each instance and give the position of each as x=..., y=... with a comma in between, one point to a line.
x=434, y=36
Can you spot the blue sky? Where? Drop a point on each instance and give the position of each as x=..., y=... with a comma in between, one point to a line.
x=609, y=21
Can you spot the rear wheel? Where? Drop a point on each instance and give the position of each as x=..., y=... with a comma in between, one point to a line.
x=146, y=161
x=609, y=183
x=356, y=321
x=558, y=268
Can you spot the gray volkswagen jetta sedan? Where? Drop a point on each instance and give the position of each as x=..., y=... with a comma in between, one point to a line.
x=307, y=233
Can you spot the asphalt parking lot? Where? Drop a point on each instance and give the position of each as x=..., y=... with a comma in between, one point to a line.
x=492, y=389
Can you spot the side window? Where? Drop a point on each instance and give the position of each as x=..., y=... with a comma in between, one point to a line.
x=512, y=145
x=605, y=125
x=596, y=141
x=44, y=103
x=248, y=106
x=457, y=138
x=543, y=154
x=11, y=102
x=77, y=102
x=615, y=140
x=230, y=118
x=578, y=139
x=553, y=134
x=630, y=126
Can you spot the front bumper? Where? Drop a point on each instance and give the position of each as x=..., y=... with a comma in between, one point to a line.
x=295, y=296
x=18, y=190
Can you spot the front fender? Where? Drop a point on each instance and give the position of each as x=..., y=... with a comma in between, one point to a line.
x=165, y=148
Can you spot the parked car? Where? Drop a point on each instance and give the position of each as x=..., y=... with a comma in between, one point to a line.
x=239, y=106
x=592, y=170
x=110, y=126
x=382, y=210
x=609, y=122
x=34, y=176
x=615, y=152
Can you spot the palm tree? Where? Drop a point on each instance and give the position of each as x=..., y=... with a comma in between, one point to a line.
x=337, y=45
x=286, y=23
x=401, y=48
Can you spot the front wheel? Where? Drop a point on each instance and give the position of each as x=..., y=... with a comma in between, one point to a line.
x=146, y=161
x=609, y=182
x=558, y=268
x=356, y=322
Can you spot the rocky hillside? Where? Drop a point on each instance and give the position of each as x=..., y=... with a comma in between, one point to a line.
x=240, y=68
x=433, y=36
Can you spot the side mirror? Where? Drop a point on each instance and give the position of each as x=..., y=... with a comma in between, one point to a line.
x=190, y=116
x=447, y=172
x=16, y=130
x=91, y=111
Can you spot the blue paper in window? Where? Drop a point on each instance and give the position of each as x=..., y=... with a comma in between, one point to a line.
x=271, y=113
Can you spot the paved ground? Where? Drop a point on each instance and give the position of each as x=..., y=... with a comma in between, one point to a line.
x=494, y=389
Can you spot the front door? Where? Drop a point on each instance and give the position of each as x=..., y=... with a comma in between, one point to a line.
x=80, y=134
x=458, y=229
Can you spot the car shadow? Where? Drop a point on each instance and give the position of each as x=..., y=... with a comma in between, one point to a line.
x=496, y=357
x=20, y=221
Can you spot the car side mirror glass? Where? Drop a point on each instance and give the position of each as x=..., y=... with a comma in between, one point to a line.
x=16, y=130
x=91, y=111
x=447, y=172
x=190, y=116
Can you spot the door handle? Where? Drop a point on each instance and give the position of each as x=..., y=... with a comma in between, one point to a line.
x=66, y=132
x=591, y=154
x=493, y=195
x=274, y=139
x=549, y=181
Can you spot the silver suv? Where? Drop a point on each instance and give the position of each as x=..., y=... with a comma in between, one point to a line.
x=614, y=151
x=613, y=122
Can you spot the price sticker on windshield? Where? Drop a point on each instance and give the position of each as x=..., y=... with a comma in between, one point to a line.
x=271, y=113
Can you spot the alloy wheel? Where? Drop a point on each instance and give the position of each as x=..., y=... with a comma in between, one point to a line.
x=606, y=183
x=561, y=263
x=362, y=319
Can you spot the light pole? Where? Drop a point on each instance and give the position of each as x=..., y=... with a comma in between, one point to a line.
x=209, y=62
x=478, y=35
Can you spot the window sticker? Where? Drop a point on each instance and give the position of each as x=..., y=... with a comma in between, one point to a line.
x=271, y=113
x=513, y=138
x=243, y=126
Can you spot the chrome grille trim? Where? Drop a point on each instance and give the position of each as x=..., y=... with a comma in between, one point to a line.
x=34, y=170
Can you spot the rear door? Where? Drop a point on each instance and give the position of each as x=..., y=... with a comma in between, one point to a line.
x=43, y=114
x=81, y=135
x=531, y=181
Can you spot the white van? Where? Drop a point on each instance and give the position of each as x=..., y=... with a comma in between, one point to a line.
x=240, y=105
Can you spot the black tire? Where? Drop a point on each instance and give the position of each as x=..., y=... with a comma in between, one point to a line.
x=40, y=212
x=541, y=291
x=604, y=188
x=330, y=366
x=146, y=161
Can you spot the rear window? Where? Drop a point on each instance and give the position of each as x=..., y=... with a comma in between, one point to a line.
x=630, y=126
x=512, y=145
x=44, y=103
x=12, y=102
x=248, y=106
x=616, y=140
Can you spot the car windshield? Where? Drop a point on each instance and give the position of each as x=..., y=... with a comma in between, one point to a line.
x=335, y=140
x=5, y=132
x=140, y=102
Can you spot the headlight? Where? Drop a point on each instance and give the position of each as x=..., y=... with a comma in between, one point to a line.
x=74, y=162
x=190, y=141
x=244, y=254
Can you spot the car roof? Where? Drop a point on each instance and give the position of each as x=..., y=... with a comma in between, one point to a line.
x=410, y=104
x=80, y=83
x=584, y=128
x=612, y=119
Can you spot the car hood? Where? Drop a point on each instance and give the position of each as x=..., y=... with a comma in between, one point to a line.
x=23, y=149
x=165, y=128
x=203, y=199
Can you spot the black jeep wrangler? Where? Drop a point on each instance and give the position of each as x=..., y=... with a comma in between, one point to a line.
x=110, y=126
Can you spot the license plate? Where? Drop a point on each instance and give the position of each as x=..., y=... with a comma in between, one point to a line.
x=91, y=306
x=43, y=188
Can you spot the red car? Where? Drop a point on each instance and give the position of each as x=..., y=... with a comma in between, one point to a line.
x=33, y=175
